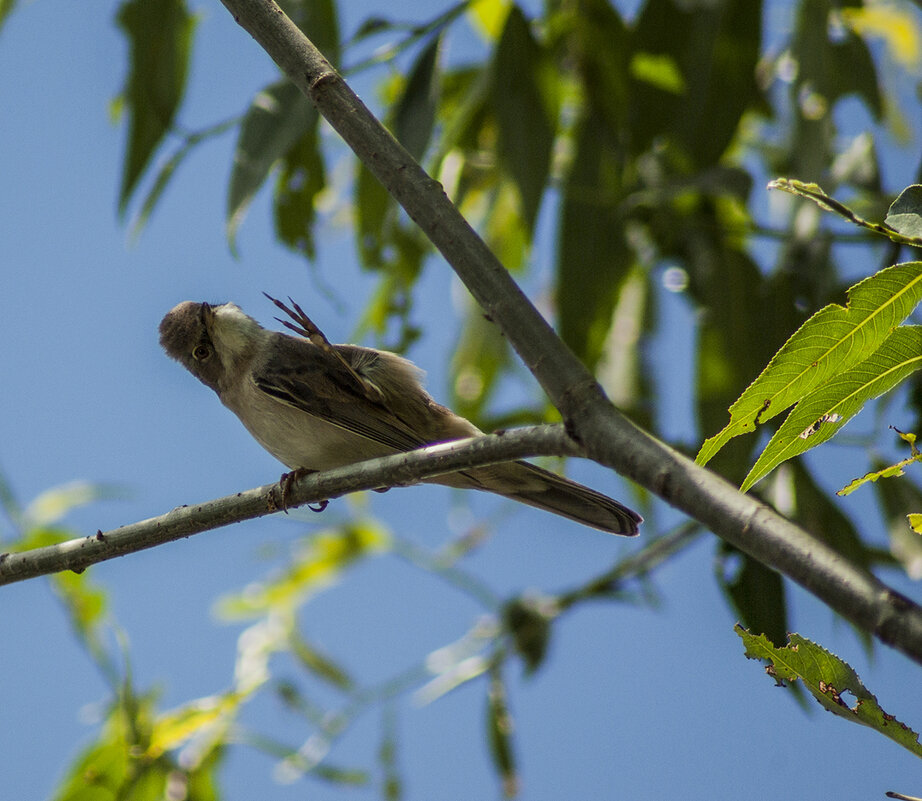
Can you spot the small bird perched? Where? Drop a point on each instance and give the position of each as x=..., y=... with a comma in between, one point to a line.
x=316, y=406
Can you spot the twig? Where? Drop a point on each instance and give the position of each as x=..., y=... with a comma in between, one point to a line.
x=401, y=469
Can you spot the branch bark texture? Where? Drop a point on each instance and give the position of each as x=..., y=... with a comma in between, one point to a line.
x=603, y=432
x=399, y=470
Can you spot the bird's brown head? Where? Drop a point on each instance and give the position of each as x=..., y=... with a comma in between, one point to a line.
x=186, y=335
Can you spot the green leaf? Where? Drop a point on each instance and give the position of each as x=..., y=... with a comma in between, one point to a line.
x=594, y=36
x=414, y=114
x=899, y=500
x=659, y=70
x=278, y=118
x=6, y=8
x=831, y=342
x=301, y=178
x=317, y=662
x=906, y=211
x=905, y=214
x=817, y=512
x=530, y=627
x=525, y=118
x=480, y=358
x=593, y=259
x=833, y=69
x=372, y=206
x=174, y=728
x=890, y=471
x=166, y=172
x=756, y=592
x=110, y=767
x=499, y=731
x=319, y=564
x=824, y=411
x=53, y=504
x=831, y=681
x=705, y=56
x=160, y=42
x=319, y=21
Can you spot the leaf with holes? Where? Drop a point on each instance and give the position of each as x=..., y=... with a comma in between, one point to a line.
x=823, y=412
x=830, y=680
x=831, y=342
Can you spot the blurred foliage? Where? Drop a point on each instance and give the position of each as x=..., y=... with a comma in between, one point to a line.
x=628, y=152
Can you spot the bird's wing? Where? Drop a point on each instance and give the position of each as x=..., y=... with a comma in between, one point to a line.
x=305, y=377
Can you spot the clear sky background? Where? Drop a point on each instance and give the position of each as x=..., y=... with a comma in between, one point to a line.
x=633, y=702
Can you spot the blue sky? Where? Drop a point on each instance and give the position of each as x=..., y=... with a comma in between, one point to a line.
x=633, y=702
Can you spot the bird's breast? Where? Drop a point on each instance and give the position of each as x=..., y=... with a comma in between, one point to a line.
x=294, y=437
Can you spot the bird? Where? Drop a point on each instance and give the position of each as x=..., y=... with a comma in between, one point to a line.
x=316, y=406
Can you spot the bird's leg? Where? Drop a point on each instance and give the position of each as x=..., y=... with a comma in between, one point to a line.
x=287, y=481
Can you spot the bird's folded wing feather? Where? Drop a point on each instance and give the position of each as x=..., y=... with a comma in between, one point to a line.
x=306, y=378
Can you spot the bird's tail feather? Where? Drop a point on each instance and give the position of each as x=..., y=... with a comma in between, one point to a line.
x=537, y=487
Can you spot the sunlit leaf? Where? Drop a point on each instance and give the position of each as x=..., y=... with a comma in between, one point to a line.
x=901, y=502
x=903, y=211
x=831, y=681
x=896, y=26
x=53, y=504
x=110, y=768
x=319, y=563
x=279, y=116
x=890, y=471
x=489, y=16
x=172, y=729
x=905, y=214
x=160, y=42
x=831, y=342
x=659, y=70
x=825, y=410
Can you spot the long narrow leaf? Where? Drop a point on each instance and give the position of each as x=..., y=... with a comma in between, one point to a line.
x=278, y=117
x=831, y=342
x=821, y=414
x=160, y=40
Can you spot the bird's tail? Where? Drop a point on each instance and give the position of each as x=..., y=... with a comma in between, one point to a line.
x=529, y=484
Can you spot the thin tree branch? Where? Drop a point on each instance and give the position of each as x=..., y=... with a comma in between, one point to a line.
x=608, y=437
x=390, y=471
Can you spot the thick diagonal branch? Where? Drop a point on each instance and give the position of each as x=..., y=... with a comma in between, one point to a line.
x=605, y=434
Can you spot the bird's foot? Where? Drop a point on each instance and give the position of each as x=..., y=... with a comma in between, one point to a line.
x=286, y=482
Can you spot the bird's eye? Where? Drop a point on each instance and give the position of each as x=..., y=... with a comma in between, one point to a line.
x=201, y=352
